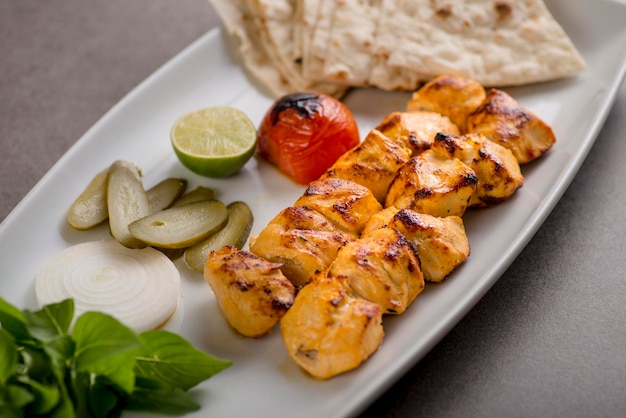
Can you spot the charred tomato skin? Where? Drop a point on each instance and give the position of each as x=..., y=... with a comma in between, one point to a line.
x=304, y=134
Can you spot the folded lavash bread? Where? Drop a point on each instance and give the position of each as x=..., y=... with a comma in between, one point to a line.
x=264, y=30
x=238, y=24
x=382, y=74
x=495, y=42
x=365, y=28
x=321, y=45
x=316, y=22
x=349, y=58
x=275, y=21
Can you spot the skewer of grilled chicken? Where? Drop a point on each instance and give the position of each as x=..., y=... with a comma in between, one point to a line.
x=373, y=163
x=355, y=260
x=383, y=267
x=442, y=243
x=416, y=129
x=450, y=95
x=496, y=168
x=346, y=204
x=327, y=331
x=251, y=292
x=433, y=183
x=505, y=121
x=302, y=240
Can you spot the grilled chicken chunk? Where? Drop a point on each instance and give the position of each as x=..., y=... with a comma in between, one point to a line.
x=382, y=267
x=251, y=292
x=416, y=129
x=442, y=243
x=346, y=204
x=450, y=95
x=381, y=219
x=433, y=183
x=505, y=121
x=498, y=172
x=327, y=331
x=373, y=163
x=302, y=240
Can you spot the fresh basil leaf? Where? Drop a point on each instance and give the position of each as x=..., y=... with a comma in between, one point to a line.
x=106, y=347
x=106, y=398
x=172, y=360
x=65, y=407
x=36, y=366
x=35, y=363
x=99, y=370
x=8, y=356
x=12, y=319
x=154, y=396
x=98, y=336
x=13, y=399
x=9, y=411
x=51, y=321
x=45, y=398
x=60, y=350
x=97, y=397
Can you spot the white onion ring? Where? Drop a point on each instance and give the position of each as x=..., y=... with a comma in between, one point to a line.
x=139, y=287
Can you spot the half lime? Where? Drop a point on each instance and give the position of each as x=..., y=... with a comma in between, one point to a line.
x=214, y=141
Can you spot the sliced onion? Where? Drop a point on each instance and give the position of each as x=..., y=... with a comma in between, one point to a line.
x=139, y=287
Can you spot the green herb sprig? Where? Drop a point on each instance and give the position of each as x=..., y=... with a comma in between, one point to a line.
x=99, y=370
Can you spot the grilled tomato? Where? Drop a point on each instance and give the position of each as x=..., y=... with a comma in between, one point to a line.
x=304, y=134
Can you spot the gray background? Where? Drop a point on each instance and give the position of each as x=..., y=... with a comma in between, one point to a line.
x=548, y=340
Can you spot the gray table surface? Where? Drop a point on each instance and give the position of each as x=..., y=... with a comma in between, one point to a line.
x=548, y=340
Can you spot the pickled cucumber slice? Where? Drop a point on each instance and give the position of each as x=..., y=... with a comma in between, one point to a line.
x=196, y=195
x=165, y=193
x=182, y=226
x=235, y=233
x=126, y=201
x=90, y=208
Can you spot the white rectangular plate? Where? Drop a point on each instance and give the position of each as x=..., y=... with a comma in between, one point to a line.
x=264, y=382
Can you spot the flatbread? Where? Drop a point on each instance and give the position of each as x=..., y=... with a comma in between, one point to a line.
x=330, y=45
x=264, y=29
x=317, y=38
x=274, y=23
x=356, y=41
x=349, y=56
x=304, y=26
x=495, y=42
x=237, y=23
x=382, y=74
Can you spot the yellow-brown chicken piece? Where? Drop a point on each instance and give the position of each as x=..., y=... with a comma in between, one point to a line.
x=450, y=95
x=416, y=129
x=373, y=163
x=505, y=121
x=433, y=183
x=346, y=204
x=382, y=267
x=497, y=169
x=302, y=240
x=251, y=292
x=442, y=243
x=327, y=331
